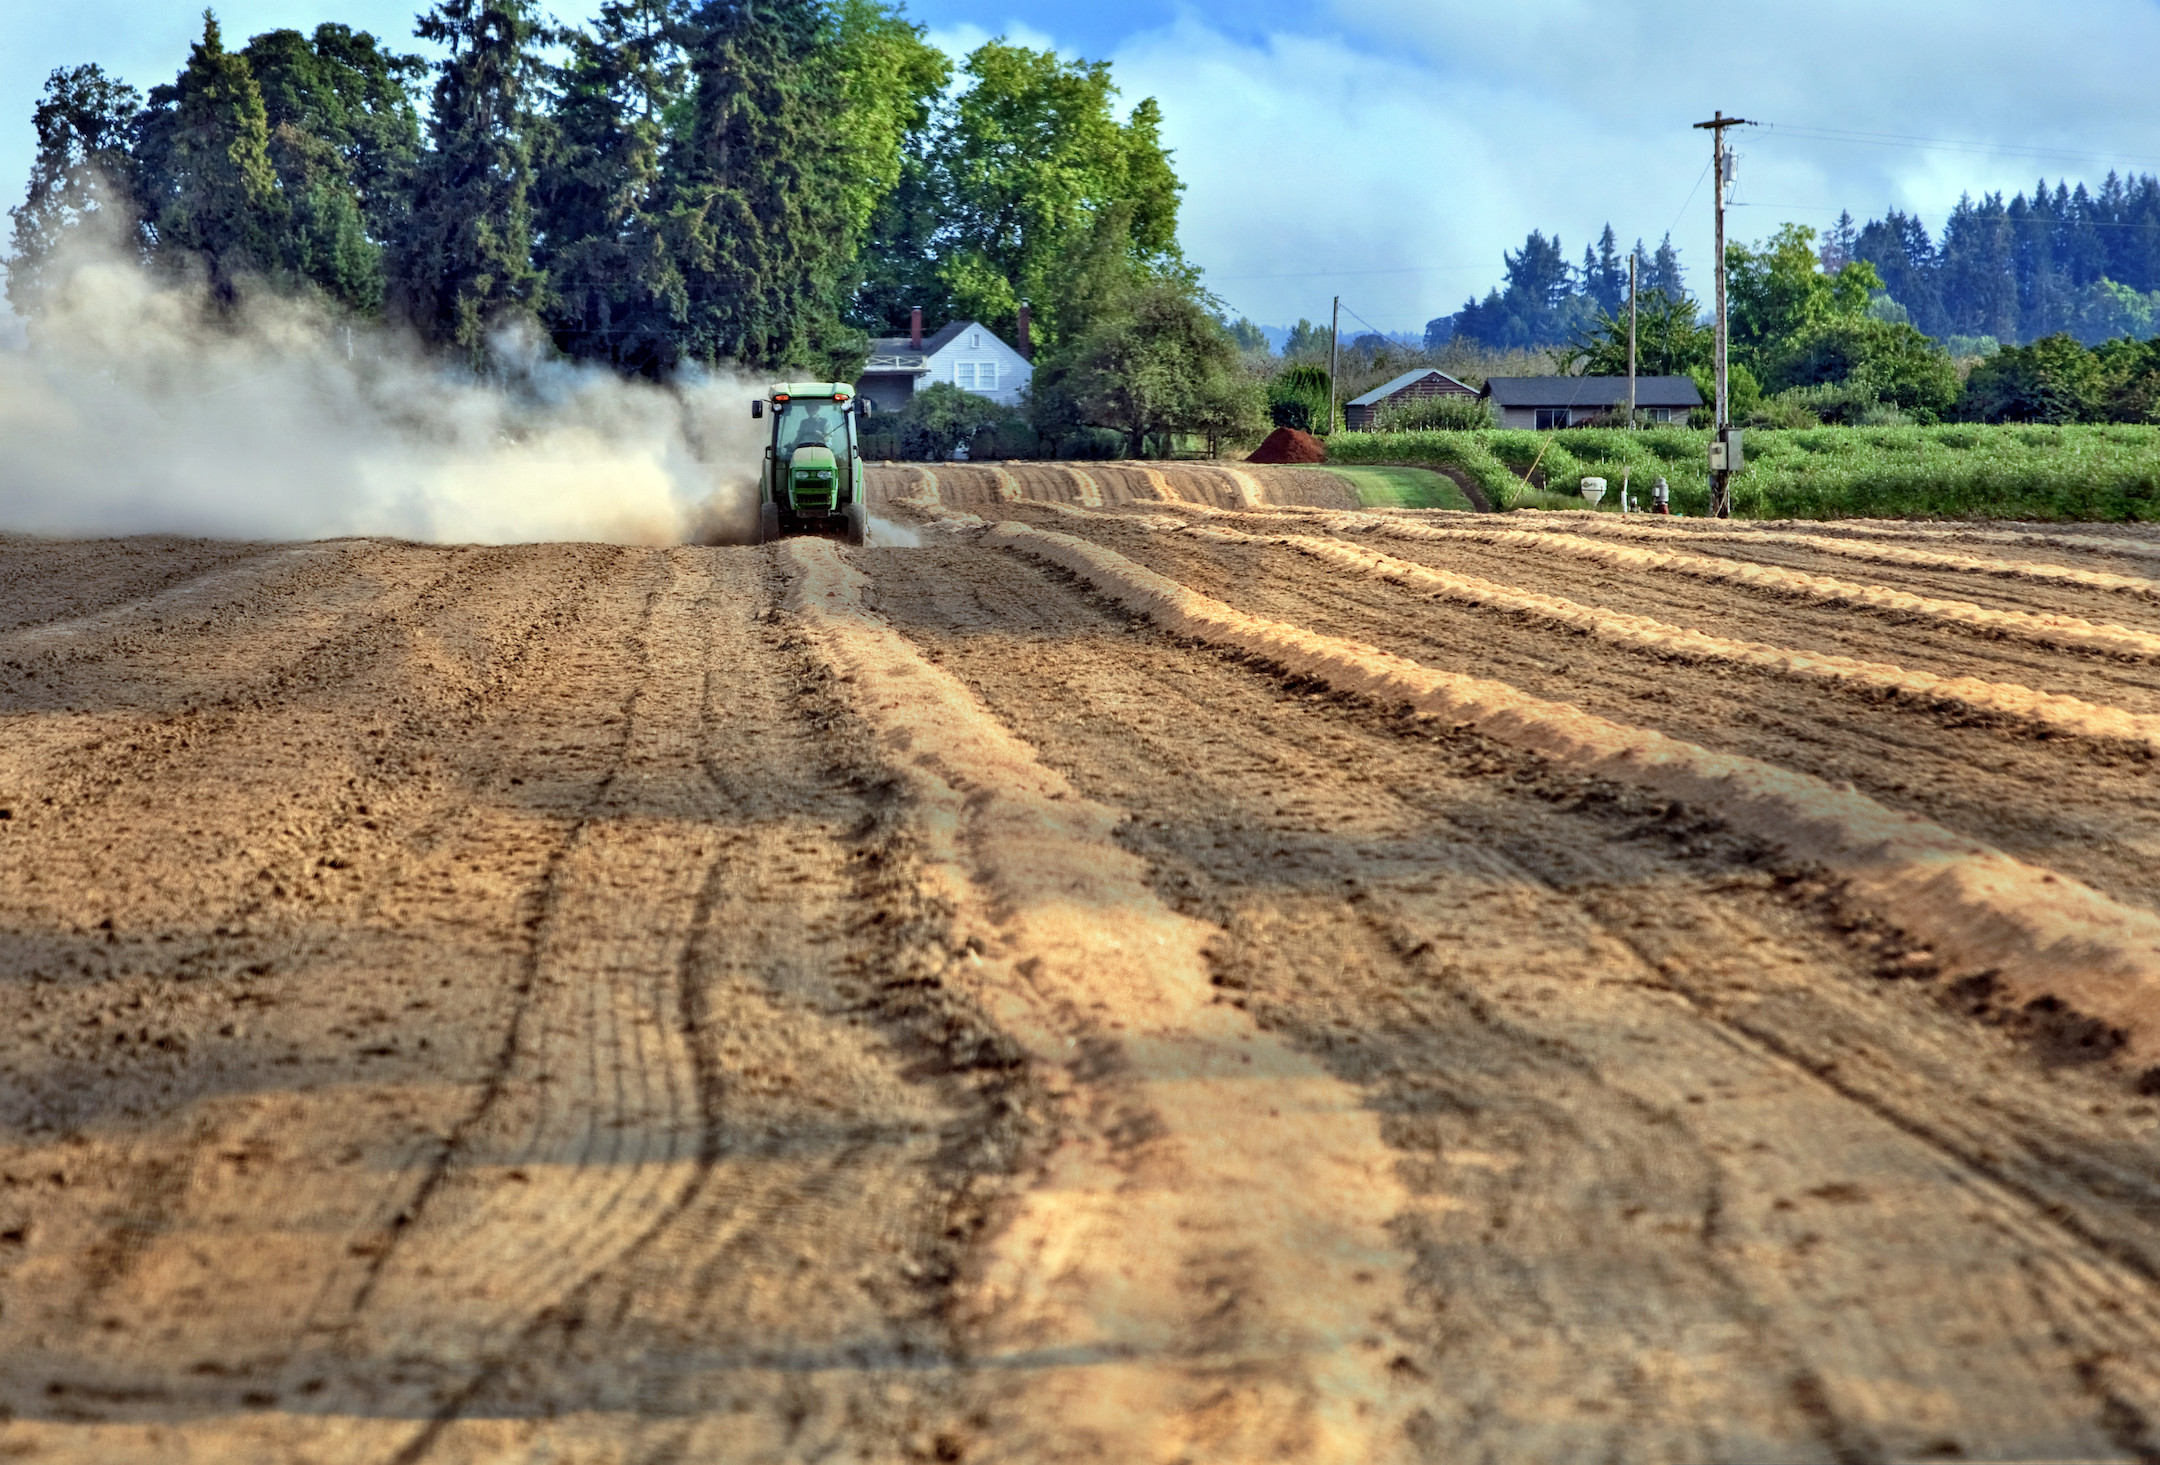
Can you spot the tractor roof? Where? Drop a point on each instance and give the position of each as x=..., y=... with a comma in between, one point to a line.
x=813, y=389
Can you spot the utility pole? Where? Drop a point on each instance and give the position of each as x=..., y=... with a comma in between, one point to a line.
x=1724, y=444
x=1630, y=351
x=1334, y=360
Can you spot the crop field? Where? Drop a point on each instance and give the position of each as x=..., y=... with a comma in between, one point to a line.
x=1961, y=471
x=1141, y=963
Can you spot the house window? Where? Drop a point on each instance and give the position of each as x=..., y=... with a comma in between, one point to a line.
x=1550, y=418
x=975, y=340
x=975, y=376
x=1660, y=414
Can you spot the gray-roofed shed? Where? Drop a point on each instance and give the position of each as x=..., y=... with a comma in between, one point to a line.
x=1424, y=382
x=1568, y=401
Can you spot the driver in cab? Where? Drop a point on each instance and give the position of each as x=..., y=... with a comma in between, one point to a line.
x=819, y=425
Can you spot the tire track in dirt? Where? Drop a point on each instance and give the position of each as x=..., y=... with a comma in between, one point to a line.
x=1193, y=1149
x=917, y=1096
x=587, y=1152
x=694, y=1224
x=46, y=580
x=225, y=1154
x=1639, y=1233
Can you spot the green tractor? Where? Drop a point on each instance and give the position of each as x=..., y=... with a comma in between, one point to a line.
x=813, y=480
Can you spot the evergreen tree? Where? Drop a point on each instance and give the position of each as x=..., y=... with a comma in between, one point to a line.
x=1978, y=271
x=1840, y=243
x=617, y=294
x=1897, y=245
x=2112, y=212
x=208, y=186
x=343, y=141
x=85, y=124
x=1664, y=272
x=2036, y=239
x=2140, y=237
x=1539, y=272
x=755, y=222
x=2085, y=257
x=1540, y=305
x=465, y=260
x=1604, y=273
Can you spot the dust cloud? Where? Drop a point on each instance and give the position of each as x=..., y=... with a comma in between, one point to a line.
x=889, y=535
x=123, y=411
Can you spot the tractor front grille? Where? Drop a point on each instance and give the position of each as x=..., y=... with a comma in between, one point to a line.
x=809, y=491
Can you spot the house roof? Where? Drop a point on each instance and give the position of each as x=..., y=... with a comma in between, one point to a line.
x=893, y=353
x=1591, y=391
x=1381, y=393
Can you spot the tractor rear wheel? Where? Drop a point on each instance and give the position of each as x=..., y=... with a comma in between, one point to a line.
x=858, y=523
x=768, y=523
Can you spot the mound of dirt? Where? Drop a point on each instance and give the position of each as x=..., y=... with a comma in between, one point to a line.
x=1288, y=445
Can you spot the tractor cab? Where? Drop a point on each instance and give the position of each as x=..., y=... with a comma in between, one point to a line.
x=812, y=481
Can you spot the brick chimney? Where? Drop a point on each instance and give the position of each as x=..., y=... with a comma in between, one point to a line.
x=1027, y=352
x=914, y=329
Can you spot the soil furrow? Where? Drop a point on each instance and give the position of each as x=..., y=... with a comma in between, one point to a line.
x=1619, y=1200
x=1171, y=1249
x=893, y=1004
x=2084, y=808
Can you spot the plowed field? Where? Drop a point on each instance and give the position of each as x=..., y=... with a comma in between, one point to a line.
x=1165, y=967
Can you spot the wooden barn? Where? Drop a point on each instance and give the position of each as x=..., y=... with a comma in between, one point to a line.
x=1358, y=414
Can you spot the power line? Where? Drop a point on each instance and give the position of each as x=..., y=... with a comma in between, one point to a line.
x=1699, y=177
x=1944, y=144
x=1350, y=274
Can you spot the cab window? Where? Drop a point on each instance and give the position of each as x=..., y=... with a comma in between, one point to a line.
x=812, y=424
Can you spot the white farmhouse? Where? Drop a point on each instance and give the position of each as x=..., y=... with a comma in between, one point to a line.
x=967, y=354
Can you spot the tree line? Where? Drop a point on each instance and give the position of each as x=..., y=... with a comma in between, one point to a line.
x=2064, y=259
x=1545, y=300
x=677, y=181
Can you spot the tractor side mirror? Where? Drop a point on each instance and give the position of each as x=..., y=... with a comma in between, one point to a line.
x=757, y=409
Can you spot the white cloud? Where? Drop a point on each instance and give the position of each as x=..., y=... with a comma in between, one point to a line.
x=1435, y=133
x=1310, y=168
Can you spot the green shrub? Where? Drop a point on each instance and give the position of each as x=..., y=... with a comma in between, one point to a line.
x=941, y=416
x=1449, y=412
x=1298, y=397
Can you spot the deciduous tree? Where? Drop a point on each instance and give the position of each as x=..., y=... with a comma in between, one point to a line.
x=85, y=123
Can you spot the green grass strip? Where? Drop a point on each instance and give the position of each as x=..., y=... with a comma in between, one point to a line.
x=1961, y=471
x=1402, y=488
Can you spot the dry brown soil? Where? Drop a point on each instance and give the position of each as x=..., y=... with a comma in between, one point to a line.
x=573, y=1003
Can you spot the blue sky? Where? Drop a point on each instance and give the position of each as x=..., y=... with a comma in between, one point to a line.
x=1390, y=149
